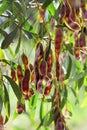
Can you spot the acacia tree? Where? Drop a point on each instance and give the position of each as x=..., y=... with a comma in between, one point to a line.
x=43, y=45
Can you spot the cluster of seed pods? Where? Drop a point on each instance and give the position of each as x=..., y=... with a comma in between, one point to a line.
x=42, y=68
x=22, y=76
x=79, y=47
x=58, y=41
x=69, y=16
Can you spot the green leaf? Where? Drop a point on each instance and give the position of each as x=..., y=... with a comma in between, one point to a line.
x=28, y=34
x=15, y=88
x=19, y=43
x=8, y=39
x=4, y=6
x=80, y=82
x=46, y=3
x=1, y=104
x=51, y=9
x=50, y=116
x=6, y=103
x=70, y=108
x=33, y=102
x=15, y=115
x=73, y=91
x=48, y=52
x=42, y=111
x=57, y=12
x=69, y=68
x=84, y=103
x=64, y=99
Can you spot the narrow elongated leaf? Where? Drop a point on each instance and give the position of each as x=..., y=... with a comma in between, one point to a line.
x=69, y=68
x=49, y=49
x=80, y=82
x=70, y=108
x=4, y=6
x=15, y=88
x=42, y=111
x=46, y=3
x=6, y=103
x=51, y=9
x=15, y=115
x=19, y=43
x=64, y=99
x=8, y=39
x=28, y=34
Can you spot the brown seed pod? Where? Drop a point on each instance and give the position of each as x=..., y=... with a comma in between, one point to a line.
x=25, y=60
x=58, y=40
x=77, y=49
x=13, y=74
x=39, y=52
x=20, y=107
x=31, y=67
x=19, y=73
x=48, y=88
x=57, y=70
x=42, y=68
x=25, y=82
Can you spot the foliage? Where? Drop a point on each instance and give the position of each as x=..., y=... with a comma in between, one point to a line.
x=43, y=45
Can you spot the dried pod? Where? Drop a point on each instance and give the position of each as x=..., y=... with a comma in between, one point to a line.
x=82, y=46
x=20, y=107
x=77, y=49
x=19, y=73
x=39, y=86
x=13, y=74
x=31, y=67
x=48, y=88
x=25, y=82
x=57, y=70
x=42, y=67
x=39, y=52
x=58, y=40
x=25, y=60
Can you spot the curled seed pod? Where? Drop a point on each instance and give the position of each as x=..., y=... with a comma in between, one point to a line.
x=42, y=67
x=76, y=50
x=27, y=74
x=73, y=26
x=39, y=52
x=25, y=60
x=62, y=14
x=58, y=40
x=13, y=74
x=48, y=88
x=20, y=107
x=19, y=73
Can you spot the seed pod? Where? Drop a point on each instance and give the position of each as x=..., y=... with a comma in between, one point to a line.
x=25, y=82
x=30, y=92
x=42, y=67
x=25, y=60
x=62, y=14
x=32, y=76
x=13, y=74
x=82, y=46
x=76, y=50
x=57, y=70
x=36, y=72
x=39, y=86
x=20, y=107
x=39, y=52
x=48, y=88
x=19, y=73
x=58, y=40
x=31, y=67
